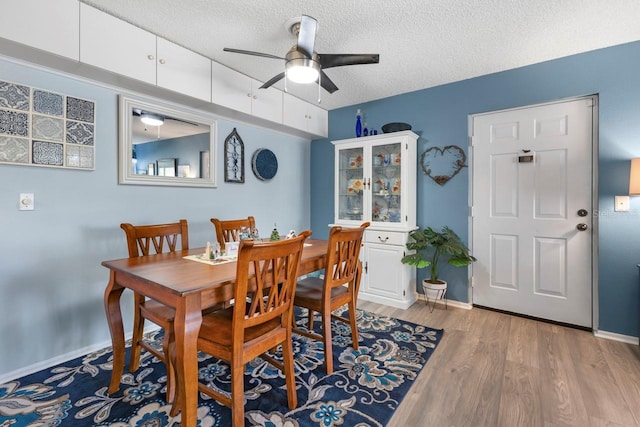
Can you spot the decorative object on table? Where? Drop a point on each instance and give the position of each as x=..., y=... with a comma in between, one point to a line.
x=291, y=234
x=74, y=392
x=234, y=158
x=274, y=234
x=245, y=233
x=429, y=246
x=395, y=127
x=358, y=124
x=442, y=164
x=42, y=128
x=231, y=249
x=264, y=164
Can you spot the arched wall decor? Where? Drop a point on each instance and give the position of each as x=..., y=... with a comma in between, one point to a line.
x=442, y=164
x=234, y=158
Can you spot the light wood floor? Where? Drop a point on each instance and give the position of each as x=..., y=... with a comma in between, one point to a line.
x=494, y=369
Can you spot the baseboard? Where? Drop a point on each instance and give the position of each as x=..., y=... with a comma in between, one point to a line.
x=452, y=303
x=28, y=370
x=36, y=367
x=628, y=339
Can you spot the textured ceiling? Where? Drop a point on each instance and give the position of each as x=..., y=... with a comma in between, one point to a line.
x=422, y=43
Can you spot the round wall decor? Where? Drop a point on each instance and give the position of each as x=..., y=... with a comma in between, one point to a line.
x=264, y=164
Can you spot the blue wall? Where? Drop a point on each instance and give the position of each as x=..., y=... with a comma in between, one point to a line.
x=440, y=116
x=51, y=280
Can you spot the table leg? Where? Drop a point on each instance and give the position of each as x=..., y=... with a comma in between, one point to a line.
x=186, y=328
x=114, y=318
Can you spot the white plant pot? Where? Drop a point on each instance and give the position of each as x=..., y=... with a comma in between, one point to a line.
x=434, y=291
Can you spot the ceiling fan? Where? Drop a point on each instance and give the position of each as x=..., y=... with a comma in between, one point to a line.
x=302, y=63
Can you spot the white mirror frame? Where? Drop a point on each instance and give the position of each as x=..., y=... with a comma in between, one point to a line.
x=126, y=104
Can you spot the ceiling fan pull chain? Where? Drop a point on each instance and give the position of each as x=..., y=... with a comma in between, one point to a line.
x=285, y=80
x=319, y=87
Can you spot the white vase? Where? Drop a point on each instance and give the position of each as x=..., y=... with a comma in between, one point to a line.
x=434, y=291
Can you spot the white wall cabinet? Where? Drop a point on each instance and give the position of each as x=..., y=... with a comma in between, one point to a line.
x=83, y=33
x=112, y=44
x=44, y=24
x=375, y=181
x=242, y=93
x=182, y=70
x=305, y=116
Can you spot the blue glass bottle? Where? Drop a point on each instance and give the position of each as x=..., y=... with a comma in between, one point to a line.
x=358, y=124
x=365, y=132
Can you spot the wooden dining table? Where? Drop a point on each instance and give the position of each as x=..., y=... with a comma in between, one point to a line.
x=189, y=287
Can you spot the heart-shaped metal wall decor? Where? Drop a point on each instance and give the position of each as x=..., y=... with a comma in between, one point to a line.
x=442, y=164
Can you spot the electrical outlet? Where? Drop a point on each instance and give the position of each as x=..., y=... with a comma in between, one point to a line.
x=26, y=202
x=621, y=204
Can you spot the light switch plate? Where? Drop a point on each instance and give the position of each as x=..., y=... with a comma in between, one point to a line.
x=26, y=202
x=621, y=204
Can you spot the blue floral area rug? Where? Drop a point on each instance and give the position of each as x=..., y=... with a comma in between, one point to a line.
x=365, y=389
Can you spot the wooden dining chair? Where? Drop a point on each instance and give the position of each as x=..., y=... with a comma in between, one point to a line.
x=146, y=240
x=260, y=319
x=229, y=230
x=343, y=267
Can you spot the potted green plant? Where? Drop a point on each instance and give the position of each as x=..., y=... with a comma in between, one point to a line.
x=430, y=247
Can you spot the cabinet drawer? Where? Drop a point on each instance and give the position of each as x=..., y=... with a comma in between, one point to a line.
x=385, y=237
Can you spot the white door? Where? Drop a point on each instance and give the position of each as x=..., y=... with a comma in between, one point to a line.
x=532, y=211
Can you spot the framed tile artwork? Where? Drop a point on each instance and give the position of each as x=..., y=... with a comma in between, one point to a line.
x=42, y=128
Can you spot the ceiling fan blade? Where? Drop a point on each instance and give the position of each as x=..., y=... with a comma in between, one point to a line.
x=250, y=52
x=326, y=83
x=272, y=81
x=328, y=60
x=307, y=35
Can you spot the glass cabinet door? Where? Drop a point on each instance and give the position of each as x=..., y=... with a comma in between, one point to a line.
x=386, y=187
x=351, y=184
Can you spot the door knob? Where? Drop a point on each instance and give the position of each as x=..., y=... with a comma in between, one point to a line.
x=582, y=226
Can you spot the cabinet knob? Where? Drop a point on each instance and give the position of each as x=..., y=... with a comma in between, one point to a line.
x=249, y=95
x=150, y=57
x=162, y=61
x=255, y=96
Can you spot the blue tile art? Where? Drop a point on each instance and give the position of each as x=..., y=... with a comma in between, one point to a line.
x=14, y=96
x=47, y=153
x=48, y=103
x=80, y=109
x=14, y=123
x=14, y=150
x=43, y=128
x=79, y=133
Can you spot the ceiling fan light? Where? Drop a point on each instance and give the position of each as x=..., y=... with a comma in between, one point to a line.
x=151, y=119
x=302, y=70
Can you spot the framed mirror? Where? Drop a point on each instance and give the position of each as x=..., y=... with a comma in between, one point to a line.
x=162, y=143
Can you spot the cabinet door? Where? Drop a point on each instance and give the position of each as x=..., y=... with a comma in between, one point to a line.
x=295, y=112
x=350, y=185
x=230, y=88
x=318, y=120
x=115, y=45
x=386, y=183
x=304, y=116
x=383, y=270
x=53, y=26
x=266, y=103
x=183, y=71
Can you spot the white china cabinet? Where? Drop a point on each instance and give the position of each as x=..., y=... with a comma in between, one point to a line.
x=375, y=181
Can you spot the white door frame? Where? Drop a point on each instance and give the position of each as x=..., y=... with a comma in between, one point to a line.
x=594, y=199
